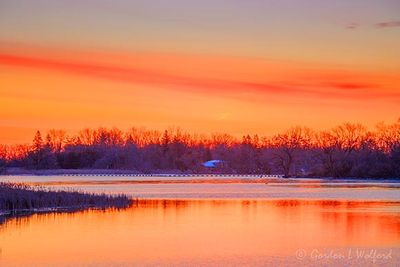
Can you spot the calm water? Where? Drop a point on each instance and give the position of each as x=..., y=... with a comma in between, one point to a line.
x=220, y=188
x=295, y=223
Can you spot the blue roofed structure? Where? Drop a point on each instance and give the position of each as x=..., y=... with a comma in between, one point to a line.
x=212, y=163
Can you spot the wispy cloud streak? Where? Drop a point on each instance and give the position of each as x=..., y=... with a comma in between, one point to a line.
x=317, y=86
x=388, y=24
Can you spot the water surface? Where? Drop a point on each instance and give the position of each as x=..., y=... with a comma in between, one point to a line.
x=214, y=223
x=206, y=232
x=160, y=187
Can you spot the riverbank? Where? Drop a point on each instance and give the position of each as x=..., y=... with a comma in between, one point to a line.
x=18, y=199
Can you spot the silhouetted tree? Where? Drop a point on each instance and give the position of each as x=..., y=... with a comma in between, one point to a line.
x=348, y=150
x=287, y=147
x=339, y=146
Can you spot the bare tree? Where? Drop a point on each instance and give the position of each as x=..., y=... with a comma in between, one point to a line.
x=287, y=147
x=338, y=145
x=346, y=150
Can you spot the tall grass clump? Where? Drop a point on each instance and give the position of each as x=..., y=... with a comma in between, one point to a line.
x=20, y=197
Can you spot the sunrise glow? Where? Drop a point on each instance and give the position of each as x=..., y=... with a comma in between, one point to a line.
x=233, y=67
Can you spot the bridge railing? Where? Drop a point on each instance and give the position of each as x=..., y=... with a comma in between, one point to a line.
x=183, y=175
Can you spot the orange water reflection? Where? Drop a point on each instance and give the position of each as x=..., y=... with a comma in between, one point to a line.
x=209, y=232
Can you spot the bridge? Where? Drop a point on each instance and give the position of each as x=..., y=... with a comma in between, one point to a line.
x=171, y=175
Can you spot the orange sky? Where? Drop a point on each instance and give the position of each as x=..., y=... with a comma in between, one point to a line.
x=42, y=89
x=203, y=73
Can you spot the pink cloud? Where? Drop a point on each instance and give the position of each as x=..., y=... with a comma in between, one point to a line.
x=352, y=26
x=388, y=24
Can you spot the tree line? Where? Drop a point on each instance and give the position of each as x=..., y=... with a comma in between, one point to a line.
x=348, y=150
